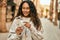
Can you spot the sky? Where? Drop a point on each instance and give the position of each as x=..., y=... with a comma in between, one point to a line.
x=45, y=2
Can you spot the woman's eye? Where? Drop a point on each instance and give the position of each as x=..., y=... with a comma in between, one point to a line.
x=25, y=8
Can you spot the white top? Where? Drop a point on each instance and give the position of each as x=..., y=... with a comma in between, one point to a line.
x=27, y=34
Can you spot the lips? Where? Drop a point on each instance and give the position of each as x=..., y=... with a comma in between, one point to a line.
x=25, y=13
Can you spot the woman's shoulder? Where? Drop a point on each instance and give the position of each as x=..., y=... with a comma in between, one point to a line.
x=17, y=18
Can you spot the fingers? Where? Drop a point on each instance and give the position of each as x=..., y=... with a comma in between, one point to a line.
x=27, y=24
x=19, y=30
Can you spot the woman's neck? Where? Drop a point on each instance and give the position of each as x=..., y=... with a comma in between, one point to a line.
x=25, y=16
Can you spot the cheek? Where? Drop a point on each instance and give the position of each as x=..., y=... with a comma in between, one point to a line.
x=22, y=10
x=25, y=11
x=28, y=11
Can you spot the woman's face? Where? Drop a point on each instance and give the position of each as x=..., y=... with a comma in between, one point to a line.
x=25, y=9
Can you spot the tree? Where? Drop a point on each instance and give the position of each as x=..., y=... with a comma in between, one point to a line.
x=3, y=17
x=51, y=10
x=56, y=12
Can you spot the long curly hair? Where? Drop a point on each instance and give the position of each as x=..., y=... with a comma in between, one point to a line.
x=33, y=13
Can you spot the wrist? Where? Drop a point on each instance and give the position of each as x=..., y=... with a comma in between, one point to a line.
x=18, y=33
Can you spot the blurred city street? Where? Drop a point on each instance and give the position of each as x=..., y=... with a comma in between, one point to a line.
x=47, y=11
x=51, y=32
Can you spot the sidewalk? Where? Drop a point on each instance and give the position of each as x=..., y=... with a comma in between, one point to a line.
x=3, y=36
x=51, y=32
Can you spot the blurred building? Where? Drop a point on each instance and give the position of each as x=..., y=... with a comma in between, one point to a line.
x=58, y=5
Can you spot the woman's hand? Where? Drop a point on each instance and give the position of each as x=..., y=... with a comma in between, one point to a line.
x=28, y=25
x=19, y=30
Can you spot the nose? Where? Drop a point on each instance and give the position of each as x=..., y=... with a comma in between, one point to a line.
x=25, y=9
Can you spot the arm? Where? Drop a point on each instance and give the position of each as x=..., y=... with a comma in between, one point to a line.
x=36, y=34
x=12, y=33
x=33, y=29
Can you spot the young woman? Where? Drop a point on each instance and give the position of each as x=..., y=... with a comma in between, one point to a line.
x=27, y=25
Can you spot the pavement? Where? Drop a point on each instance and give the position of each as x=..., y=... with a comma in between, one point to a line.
x=51, y=32
x=3, y=36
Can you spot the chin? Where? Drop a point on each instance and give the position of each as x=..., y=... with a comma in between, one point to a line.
x=25, y=15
